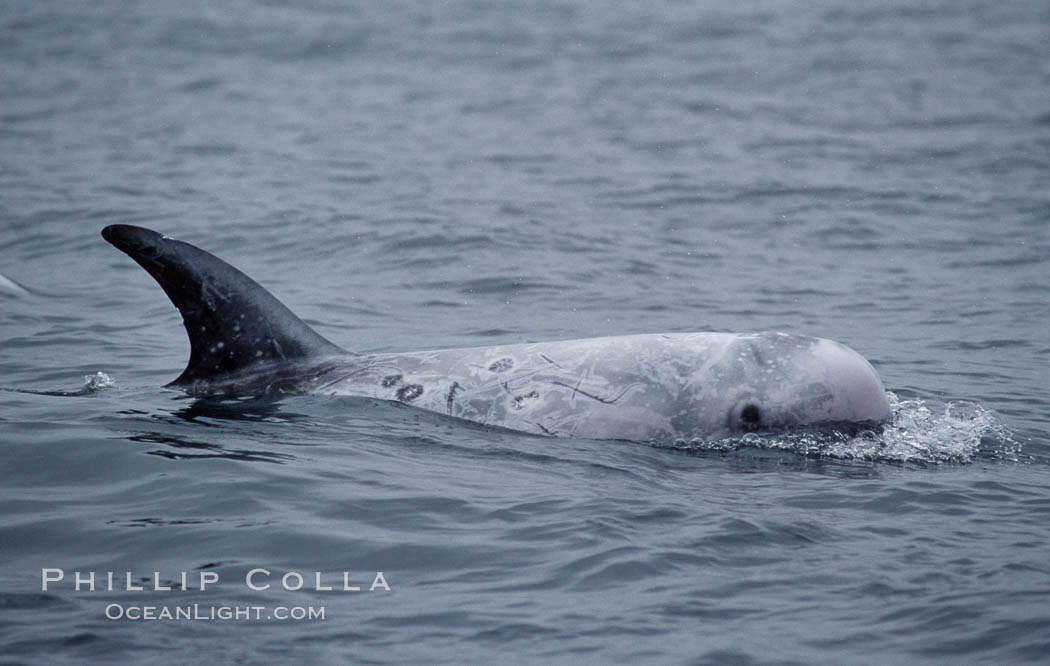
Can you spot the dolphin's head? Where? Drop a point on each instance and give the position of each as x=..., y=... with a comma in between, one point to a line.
x=784, y=381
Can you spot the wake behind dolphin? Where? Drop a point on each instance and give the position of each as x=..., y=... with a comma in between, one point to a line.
x=660, y=387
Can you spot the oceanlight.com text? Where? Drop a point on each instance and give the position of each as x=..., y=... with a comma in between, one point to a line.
x=204, y=612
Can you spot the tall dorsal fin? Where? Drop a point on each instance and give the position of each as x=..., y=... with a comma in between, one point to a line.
x=232, y=322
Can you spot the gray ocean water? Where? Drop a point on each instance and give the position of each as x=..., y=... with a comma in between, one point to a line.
x=418, y=175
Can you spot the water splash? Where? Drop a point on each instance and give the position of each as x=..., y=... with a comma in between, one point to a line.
x=93, y=384
x=958, y=433
x=917, y=433
x=97, y=382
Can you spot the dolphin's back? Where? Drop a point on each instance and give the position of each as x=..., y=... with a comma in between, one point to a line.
x=635, y=387
x=639, y=387
x=235, y=326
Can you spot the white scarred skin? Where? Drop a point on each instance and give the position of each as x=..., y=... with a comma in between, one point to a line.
x=664, y=387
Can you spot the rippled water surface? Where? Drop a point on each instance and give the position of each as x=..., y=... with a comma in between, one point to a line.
x=418, y=175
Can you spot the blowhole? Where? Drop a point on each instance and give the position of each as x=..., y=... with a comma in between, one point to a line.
x=750, y=416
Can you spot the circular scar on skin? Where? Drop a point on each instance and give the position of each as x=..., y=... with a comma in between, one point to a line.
x=502, y=365
x=409, y=392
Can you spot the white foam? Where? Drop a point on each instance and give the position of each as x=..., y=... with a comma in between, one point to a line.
x=98, y=382
x=915, y=434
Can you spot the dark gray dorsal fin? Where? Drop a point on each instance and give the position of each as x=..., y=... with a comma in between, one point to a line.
x=233, y=323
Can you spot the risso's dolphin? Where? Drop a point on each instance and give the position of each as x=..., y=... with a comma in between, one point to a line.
x=663, y=387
